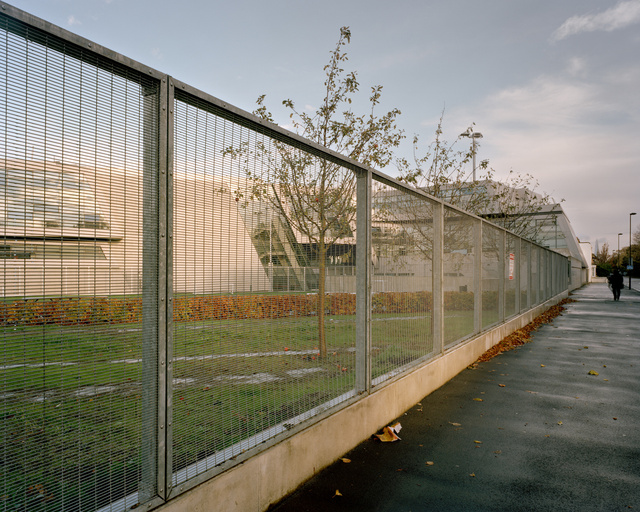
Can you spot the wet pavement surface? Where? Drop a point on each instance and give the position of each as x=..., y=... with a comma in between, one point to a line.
x=530, y=430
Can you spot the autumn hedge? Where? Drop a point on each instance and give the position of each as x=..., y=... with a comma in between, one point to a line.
x=94, y=310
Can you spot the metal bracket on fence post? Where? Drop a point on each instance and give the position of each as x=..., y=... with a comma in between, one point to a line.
x=438, y=278
x=477, y=277
x=363, y=282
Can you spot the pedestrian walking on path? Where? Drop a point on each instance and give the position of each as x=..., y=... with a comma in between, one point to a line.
x=616, y=283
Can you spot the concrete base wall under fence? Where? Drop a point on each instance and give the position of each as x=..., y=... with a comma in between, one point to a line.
x=266, y=478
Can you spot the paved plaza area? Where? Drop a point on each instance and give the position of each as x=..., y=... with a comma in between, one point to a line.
x=551, y=426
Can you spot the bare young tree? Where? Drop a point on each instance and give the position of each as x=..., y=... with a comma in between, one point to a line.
x=315, y=195
x=603, y=257
x=443, y=172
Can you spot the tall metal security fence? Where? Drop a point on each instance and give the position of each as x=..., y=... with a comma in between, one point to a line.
x=160, y=313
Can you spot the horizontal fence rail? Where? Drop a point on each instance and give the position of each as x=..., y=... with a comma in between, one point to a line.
x=164, y=312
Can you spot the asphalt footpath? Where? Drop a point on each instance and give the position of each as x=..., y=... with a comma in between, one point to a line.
x=551, y=426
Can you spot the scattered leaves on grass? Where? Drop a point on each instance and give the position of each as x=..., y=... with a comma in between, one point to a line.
x=522, y=336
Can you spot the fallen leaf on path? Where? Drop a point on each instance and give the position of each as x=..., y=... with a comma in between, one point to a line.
x=346, y=461
x=542, y=365
x=457, y=424
x=478, y=442
x=501, y=385
x=522, y=336
x=593, y=372
x=336, y=494
x=478, y=399
x=430, y=463
x=472, y=474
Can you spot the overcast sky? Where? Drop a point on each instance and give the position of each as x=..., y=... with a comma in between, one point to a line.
x=553, y=85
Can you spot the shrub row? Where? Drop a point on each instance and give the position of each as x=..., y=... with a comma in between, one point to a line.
x=94, y=310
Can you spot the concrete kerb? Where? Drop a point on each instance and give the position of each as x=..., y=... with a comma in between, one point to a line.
x=269, y=476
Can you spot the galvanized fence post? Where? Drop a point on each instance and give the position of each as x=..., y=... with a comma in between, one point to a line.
x=438, y=278
x=502, y=262
x=152, y=307
x=165, y=461
x=529, y=285
x=516, y=270
x=477, y=277
x=363, y=281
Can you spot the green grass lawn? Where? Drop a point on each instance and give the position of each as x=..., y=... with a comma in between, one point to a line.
x=73, y=428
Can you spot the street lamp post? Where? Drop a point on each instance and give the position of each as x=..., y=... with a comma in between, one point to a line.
x=473, y=136
x=629, y=265
x=619, y=250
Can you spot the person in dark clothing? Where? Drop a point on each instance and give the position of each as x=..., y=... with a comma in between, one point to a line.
x=616, y=283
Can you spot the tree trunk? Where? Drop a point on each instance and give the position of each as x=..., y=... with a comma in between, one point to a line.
x=322, y=267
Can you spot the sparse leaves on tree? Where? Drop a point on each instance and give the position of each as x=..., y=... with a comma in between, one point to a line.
x=314, y=195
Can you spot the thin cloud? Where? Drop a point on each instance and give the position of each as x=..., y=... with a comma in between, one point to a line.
x=620, y=16
x=72, y=20
x=577, y=67
x=552, y=128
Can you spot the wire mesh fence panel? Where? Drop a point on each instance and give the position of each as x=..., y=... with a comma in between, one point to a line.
x=510, y=270
x=77, y=182
x=491, y=272
x=256, y=348
x=524, y=275
x=252, y=241
x=458, y=278
x=402, y=254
